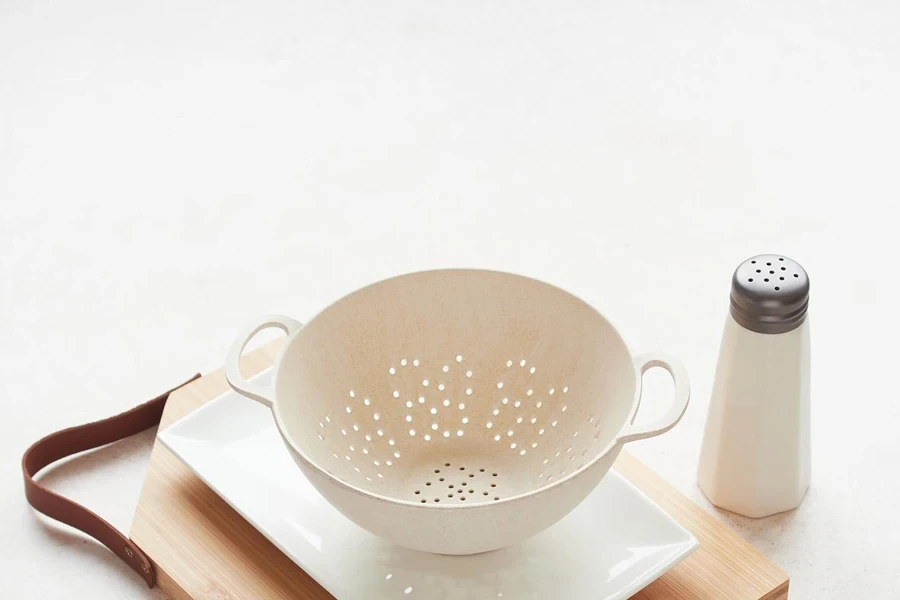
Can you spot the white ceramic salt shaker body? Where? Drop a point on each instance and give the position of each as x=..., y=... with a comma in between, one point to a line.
x=755, y=459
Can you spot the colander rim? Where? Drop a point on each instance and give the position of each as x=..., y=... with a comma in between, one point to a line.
x=546, y=488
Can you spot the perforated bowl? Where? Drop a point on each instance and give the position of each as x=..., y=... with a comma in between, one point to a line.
x=456, y=411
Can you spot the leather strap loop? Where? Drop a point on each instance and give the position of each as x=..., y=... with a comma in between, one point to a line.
x=78, y=439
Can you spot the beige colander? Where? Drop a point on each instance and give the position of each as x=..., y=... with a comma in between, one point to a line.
x=456, y=411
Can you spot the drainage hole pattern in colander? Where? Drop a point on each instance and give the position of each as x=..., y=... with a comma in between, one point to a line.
x=519, y=414
x=460, y=485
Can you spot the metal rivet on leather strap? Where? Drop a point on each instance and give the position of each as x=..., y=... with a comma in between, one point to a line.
x=129, y=552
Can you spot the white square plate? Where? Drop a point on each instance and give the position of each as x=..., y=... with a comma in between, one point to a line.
x=612, y=545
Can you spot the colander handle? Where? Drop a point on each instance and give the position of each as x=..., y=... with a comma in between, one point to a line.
x=644, y=363
x=264, y=394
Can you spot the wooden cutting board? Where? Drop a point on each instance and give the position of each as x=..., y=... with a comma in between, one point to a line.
x=203, y=550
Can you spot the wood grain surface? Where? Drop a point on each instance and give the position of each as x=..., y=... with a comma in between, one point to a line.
x=203, y=550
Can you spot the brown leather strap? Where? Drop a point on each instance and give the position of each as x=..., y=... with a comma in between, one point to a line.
x=78, y=439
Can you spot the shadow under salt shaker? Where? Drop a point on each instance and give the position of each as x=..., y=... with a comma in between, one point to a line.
x=755, y=458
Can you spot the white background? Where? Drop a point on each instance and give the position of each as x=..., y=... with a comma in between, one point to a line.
x=170, y=170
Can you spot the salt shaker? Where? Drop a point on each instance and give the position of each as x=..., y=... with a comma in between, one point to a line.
x=755, y=458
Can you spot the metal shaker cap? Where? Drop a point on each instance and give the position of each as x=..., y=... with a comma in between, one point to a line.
x=769, y=294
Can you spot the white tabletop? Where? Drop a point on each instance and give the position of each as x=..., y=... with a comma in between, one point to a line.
x=170, y=170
